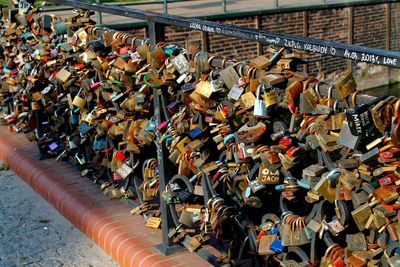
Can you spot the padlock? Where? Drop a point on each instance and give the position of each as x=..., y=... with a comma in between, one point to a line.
x=260, y=62
x=359, y=118
x=394, y=131
x=79, y=101
x=361, y=215
x=264, y=245
x=260, y=110
x=254, y=82
x=345, y=85
x=326, y=186
x=229, y=76
x=308, y=98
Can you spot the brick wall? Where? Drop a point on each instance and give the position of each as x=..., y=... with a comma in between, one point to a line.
x=370, y=26
x=395, y=31
x=180, y=35
x=290, y=23
x=329, y=24
x=139, y=32
x=231, y=47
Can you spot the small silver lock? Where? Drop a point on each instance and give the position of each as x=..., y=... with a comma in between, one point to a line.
x=260, y=110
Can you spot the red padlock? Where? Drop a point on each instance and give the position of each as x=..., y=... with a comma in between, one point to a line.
x=14, y=72
x=261, y=234
x=120, y=155
x=116, y=177
x=45, y=59
x=11, y=120
x=339, y=262
x=293, y=152
x=162, y=126
x=391, y=207
x=124, y=50
x=216, y=176
x=285, y=141
x=79, y=66
x=388, y=179
x=95, y=86
x=386, y=155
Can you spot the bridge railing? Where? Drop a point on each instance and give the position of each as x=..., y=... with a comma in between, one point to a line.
x=156, y=21
x=226, y=7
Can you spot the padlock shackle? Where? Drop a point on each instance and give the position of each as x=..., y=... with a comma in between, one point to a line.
x=397, y=108
x=354, y=98
x=308, y=81
x=299, y=253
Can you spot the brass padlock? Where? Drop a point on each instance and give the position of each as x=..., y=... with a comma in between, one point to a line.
x=346, y=85
x=326, y=186
x=361, y=215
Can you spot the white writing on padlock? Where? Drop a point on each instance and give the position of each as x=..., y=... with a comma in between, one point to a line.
x=269, y=177
x=335, y=227
x=256, y=186
x=235, y=92
x=180, y=63
x=124, y=170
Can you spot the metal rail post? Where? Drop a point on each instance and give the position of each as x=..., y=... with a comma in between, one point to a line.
x=167, y=247
x=156, y=32
x=165, y=6
x=98, y=14
x=224, y=6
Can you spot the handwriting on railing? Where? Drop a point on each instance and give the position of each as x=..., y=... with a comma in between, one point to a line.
x=314, y=46
x=353, y=52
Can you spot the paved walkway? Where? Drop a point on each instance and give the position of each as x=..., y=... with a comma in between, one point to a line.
x=107, y=222
x=200, y=8
x=34, y=234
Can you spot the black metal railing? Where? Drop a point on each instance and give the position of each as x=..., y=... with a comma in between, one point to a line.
x=157, y=21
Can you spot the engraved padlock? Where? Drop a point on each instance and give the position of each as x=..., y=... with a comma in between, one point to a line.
x=359, y=118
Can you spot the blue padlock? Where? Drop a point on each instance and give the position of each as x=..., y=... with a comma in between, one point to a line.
x=274, y=231
x=169, y=140
x=74, y=118
x=303, y=183
x=194, y=133
x=151, y=126
x=99, y=144
x=280, y=187
x=228, y=138
x=125, y=56
x=276, y=246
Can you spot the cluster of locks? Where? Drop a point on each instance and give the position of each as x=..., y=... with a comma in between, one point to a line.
x=259, y=163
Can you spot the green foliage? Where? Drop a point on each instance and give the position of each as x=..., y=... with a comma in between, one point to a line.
x=4, y=2
x=109, y=1
x=49, y=3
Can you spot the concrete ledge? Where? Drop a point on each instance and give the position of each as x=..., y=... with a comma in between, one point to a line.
x=107, y=222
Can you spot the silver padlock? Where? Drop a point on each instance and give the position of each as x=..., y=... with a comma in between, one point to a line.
x=260, y=110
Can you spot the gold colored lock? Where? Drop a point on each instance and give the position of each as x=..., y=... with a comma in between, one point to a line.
x=345, y=86
x=35, y=106
x=79, y=102
x=270, y=98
